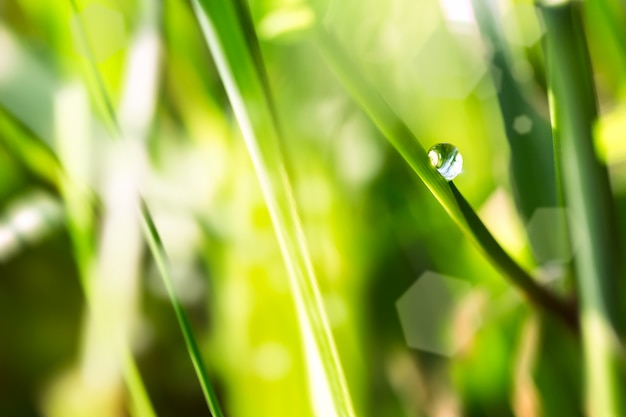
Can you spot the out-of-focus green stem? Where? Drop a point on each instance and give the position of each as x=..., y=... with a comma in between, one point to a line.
x=588, y=197
x=532, y=161
x=614, y=20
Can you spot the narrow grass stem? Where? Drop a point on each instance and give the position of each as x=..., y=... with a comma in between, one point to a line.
x=160, y=256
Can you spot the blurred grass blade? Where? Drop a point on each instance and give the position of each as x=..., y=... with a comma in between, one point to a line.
x=252, y=40
x=39, y=159
x=136, y=121
x=400, y=136
x=140, y=404
x=142, y=76
x=160, y=257
x=24, y=72
x=108, y=264
x=227, y=29
x=95, y=81
x=72, y=142
x=31, y=152
x=532, y=156
x=588, y=196
x=614, y=16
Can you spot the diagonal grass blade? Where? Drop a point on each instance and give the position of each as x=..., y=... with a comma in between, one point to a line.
x=158, y=251
x=400, y=136
x=231, y=39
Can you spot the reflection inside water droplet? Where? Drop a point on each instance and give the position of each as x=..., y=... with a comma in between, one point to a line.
x=447, y=159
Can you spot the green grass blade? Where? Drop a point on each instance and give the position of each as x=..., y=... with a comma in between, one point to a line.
x=532, y=156
x=158, y=251
x=614, y=17
x=588, y=196
x=233, y=43
x=401, y=137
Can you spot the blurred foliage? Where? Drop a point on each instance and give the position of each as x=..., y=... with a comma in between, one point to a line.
x=77, y=280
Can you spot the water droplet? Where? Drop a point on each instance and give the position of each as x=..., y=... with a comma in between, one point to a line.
x=447, y=159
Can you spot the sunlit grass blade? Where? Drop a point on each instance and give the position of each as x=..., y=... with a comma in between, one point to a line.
x=233, y=47
x=160, y=257
x=588, y=197
x=252, y=39
x=401, y=137
x=96, y=83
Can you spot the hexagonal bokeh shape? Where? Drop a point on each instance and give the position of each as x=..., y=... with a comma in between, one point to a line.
x=547, y=229
x=489, y=84
x=429, y=314
x=522, y=25
x=98, y=32
x=450, y=65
